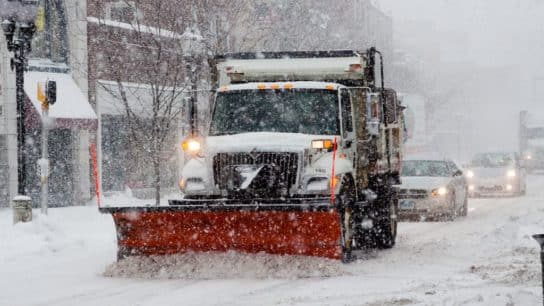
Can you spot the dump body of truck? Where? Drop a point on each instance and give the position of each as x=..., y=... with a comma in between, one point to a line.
x=300, y=158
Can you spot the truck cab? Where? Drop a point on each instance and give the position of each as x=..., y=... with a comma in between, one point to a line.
x=274, y=139
x=300, y=129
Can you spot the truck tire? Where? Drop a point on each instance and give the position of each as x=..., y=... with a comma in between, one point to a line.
x=346, y=198
x=385, y=229
x=122, y=253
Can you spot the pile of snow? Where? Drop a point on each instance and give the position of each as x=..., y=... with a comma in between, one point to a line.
x=230, y=265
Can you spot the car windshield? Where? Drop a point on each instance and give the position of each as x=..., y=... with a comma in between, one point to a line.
x=425, y=168
x=492, y=160
x=536, y=151
x=305, y=111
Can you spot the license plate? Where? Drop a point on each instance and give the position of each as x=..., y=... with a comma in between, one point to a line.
x=407, y=204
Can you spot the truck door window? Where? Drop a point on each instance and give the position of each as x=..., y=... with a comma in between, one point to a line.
x=346, y=111
x=391, y=106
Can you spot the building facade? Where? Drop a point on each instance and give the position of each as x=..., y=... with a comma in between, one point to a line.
x=59, y=54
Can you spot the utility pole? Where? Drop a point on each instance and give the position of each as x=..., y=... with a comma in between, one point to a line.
x=47, y=99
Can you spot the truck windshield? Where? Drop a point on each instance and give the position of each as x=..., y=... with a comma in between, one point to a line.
x=305, y=111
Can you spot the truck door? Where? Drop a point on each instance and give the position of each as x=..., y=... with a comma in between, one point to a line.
x=348, y=131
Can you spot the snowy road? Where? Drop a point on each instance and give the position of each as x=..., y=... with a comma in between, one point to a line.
x=487, y=258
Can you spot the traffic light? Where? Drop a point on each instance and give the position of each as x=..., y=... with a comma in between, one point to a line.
x=51, y=92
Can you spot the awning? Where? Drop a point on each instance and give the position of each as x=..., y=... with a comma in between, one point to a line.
x=72, y=109
x=139, y=98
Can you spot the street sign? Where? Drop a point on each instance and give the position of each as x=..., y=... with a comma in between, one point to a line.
x=51, y=92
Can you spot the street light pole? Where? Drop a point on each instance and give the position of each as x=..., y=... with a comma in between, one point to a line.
x=20, y=46
x=18, y=25
x=19, y=61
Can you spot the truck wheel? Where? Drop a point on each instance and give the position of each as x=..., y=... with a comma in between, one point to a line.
x=122, y=253
x=346, y=198
x=385, y=232
x=347, y=235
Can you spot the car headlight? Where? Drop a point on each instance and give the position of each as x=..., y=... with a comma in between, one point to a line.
x=442, y=191
x=511, y=173
x=470, y=173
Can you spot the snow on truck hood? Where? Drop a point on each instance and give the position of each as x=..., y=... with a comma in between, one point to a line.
x=262, y=141
x=423, y=182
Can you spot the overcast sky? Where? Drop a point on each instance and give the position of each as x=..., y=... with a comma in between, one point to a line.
x=495, y=30
x=486, y=33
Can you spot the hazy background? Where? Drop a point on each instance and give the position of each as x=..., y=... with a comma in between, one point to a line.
x=483, y=60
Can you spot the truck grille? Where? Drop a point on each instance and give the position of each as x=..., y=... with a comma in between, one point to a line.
x=413, y=193
x=285, y=163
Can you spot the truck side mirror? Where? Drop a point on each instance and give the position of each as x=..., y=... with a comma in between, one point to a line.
x=51, y=92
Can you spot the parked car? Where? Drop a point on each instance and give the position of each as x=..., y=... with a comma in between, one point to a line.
x=432, y=189
x=495, y=174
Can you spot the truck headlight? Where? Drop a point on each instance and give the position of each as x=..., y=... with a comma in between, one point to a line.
x=322, y=183
x=191, y=146
x=470, y=174
x=511, y=173
x=442, y=191
x=317, y=184
x=194, y=184
x=323, y=144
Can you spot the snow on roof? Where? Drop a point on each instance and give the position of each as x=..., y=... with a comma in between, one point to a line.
x=140, y=28
x=139, y=97
x=71, y=102
x=280, y=85
x=284, y=69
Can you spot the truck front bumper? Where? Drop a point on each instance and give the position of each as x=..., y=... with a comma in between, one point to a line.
x=258, y=204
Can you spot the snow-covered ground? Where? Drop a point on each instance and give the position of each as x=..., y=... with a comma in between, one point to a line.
x=488, y=258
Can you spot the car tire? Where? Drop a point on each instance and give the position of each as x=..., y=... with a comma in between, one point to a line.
x=346, y=198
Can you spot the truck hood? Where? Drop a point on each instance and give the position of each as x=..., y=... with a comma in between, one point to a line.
x=423, y=182
x=263, y=141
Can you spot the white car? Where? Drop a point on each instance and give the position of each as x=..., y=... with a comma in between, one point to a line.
x=496, y=173
x=432, y=189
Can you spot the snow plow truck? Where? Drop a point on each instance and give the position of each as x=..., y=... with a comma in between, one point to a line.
x=301, y=157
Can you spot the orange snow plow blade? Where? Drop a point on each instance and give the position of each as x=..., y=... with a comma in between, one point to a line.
x=169, y=230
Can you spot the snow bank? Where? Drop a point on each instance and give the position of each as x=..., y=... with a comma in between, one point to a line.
x=231, y=265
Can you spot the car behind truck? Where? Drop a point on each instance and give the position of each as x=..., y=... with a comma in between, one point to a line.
x=531, y=141
x=301, y=157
